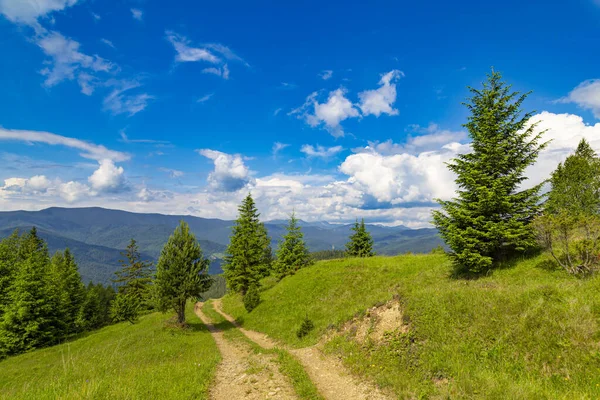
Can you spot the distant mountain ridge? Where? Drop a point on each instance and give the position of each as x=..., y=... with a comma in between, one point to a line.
x=98, y=235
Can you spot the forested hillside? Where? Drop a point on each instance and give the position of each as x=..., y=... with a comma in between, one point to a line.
x=97, y=236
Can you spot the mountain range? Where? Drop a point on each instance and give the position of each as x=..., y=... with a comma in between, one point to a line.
x=97, y=236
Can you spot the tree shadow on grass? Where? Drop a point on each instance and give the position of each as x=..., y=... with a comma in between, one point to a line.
x=460, y=273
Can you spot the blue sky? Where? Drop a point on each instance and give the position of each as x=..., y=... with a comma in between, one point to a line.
x=335, y=109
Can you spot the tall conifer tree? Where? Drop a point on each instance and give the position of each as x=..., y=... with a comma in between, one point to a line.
x=249, y=253
x=292, y=253
x=490, y=219
x=361, y=242
x=181, y=272
x=27, y=322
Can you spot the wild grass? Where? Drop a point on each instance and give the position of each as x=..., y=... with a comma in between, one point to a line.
x=148, y=360
x=526, y=332
x=288, y=365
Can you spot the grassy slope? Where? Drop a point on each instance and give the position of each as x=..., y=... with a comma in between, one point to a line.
x=524, y=332
x=143, y=361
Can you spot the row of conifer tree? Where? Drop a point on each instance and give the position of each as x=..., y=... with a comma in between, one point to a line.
x=42, y=298
x=249, y=256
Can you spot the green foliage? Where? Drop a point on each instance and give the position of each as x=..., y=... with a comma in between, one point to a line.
x=42, y=299
x=28, y=318
x=134, y=280
x=69, y=291
x=490, y=220
x=181, y=273
x=252, y=298
x=135, y=276
x=361, y=243
x=292, y=253
x=248, y=257
x=216, y=290
x=125, y=307
x=305, y=327
x=95, y=311
x=520, y=333
x=570, y=226
x=143, y=361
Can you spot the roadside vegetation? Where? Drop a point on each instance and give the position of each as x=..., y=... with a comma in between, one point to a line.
x=149, y=359
x=529, y=331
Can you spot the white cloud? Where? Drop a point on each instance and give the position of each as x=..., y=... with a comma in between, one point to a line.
x=230, y=173
x=320, y=151
x=28, y=11
x=121, y=101
x=394, y=186
x=187, y=53
x=326, y=74
x=107, y=178
x=277, y=111
x=90, y=150
x=126, y=139
x=137, y=14
x=331, y=113
x=205, y=98
x=226, y=52
x=339, y=108
x=431, y=138
x=107, y=42
x=73, y=191
x=173, y=173
x=96, y=16
x=223, y=72
x=67, y=62
x=379, y=101
x=586, y=95
x=277, y=147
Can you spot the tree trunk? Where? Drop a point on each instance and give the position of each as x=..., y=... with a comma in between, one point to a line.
x=181, y=312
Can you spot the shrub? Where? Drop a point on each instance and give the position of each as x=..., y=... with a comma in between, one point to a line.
x=251, y=298
x=305, y=327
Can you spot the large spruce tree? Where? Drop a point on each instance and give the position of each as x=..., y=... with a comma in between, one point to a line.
x=292, y=253
x=248, y=257
x=361, y=242
x=29, y=316
x=490, y=220
x=134, y=280
x=181, y=272
x=68, y=291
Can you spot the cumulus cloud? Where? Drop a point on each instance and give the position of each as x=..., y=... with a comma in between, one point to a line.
x=336, y=109
x=137, y=14
x=586, y=95
x=230, y=173
x=428, y=138
x=320, y=151
x=89, y=150
x=107, y=178
x=379, y=101
x=28, y=11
